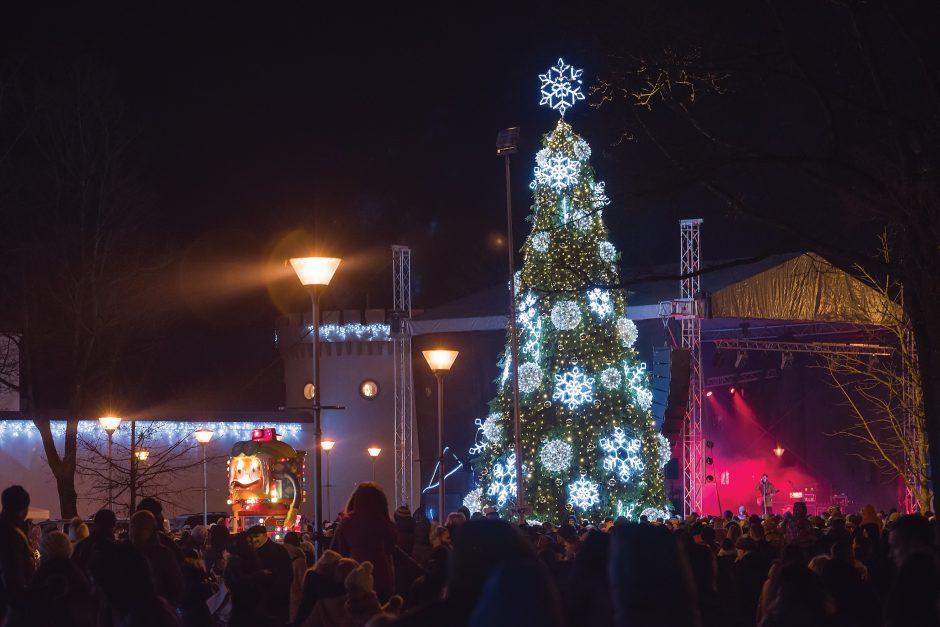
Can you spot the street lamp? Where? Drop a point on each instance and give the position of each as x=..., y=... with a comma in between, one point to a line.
x=374, y=454
x=110, y=424
x=204, y=436
x=507, y=144
x=440, y=362
x=315, y=273
x=327, y=445
x=142, y=454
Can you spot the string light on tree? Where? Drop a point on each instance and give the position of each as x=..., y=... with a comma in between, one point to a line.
x=653, y=514
x=556, y=455
x=607, y=252
x=583, y=493
x=665, y=449
x=566, y=315
x=573, y=388
x=644, y=398
x=474, y=500
x=492, y=428
x=561, y=87
x=600, y=199
x=540, y=242
x=627, y=331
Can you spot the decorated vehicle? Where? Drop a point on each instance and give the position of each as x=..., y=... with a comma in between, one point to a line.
x=266, y=482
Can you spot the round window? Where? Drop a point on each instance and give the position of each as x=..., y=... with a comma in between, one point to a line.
x=369, y=389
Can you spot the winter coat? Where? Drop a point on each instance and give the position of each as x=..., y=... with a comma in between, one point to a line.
x=369, y=541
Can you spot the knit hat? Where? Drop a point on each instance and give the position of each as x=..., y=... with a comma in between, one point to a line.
x=403, y=512
x=327, y=562
x=57, y=544
x=343, y=568
x=360, y=581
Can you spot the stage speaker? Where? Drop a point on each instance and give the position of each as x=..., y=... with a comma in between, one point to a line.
x=672, y=470
x=670, y=384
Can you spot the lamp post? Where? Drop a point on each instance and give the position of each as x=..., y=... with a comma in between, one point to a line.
x=374, y=454
x=507, y=143
x=327, y=446
x=440, y=362
x=204, y=436
x=315, y=273
x=110, y=425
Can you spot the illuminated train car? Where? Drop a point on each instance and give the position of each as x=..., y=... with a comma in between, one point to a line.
x=266, y=482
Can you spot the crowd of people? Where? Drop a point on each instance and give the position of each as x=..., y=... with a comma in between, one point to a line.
x=864, y=569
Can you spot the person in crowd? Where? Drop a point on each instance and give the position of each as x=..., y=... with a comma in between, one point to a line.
x=649, y=578
x=367, y=534
x=152, y=505
x=405, y=529
x=914, y=599
x=324, y=591
x=421, y=551
x=478, y=550
x=196, y=591
x=429, y=586
x=60, y=592
x=129, y=596
x=100, y=538
x=167, y=576
x=298, y=563
x=217, y=539
x=276, y=559
x=909, y=534
x=800, y=599
x=255, y=598
x=17, y=561
x=589, y=595
x=749, y=571
x=519, y=592
x=703, y=564
x=78, y=530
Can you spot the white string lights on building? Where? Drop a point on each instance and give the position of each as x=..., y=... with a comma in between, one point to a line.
x=355, y=332
x=171, y=430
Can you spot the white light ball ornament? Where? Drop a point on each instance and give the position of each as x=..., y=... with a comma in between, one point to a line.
x=492, y=428
x=566, y=315
x=611, y=378
x=530, y=377
x=644, y=398
x=627, y=331
x=556, y=455
x=474, y=500
x=540, y=242
x=607, y=252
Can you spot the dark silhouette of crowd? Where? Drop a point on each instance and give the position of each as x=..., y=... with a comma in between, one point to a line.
x=864, y=569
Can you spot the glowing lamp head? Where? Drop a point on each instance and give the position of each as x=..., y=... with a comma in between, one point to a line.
x=778, y=451
x=440, y=360
x=374, y=451
x=203, y=436
x=709, y=394
x=141, y=454
x=315, y=270
x=731, y=391
x=110, y=423
x=327, y=445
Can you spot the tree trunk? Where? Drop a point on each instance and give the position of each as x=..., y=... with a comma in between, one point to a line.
x=65, y=484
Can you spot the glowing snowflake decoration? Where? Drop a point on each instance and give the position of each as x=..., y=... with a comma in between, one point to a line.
x=625, y=509
x=540, y=242
x=622, y=455
x=644, y=398
x=611, y=378
x=504, y=378
x=556, y=455
x=541, y=158
x=636, y=375
x=530, y=377
x=573, y=388
x=653, y=513
x=566, y=315
x=527, y=311
x=607, y=252
x=561, y=87
x=627, y=331
x=559, y=173
x=474, y=500
x=583, y=493
x=503, y=486
x=599, y=197
x=599, y=302
x=665, y=449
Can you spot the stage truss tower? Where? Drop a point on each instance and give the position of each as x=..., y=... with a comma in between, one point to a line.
x=690, y=288
x=404, y=397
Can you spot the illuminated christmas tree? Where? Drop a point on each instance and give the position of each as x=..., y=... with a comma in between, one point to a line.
x=589, y=442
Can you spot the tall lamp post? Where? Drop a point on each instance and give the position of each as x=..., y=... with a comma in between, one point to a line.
x=315, y=273
x=110, y=425
x=507, y=143
x=374, y=452
x=204, y=436
x=327, y=446
x=440, y=361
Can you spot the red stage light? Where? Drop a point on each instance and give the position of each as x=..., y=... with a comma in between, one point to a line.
x=709, y=393
x=730, y=390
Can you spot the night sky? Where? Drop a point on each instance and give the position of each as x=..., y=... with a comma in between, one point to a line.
x=362, y=128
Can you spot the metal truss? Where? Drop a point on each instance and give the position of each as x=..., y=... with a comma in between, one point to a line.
x=740, y=378
x=687, y=310
x=817, y=348
x=402, y=374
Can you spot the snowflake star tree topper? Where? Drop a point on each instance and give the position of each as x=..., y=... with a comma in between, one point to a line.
x=561, y=87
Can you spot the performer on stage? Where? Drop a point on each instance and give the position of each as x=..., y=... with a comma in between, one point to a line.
x=767, y=491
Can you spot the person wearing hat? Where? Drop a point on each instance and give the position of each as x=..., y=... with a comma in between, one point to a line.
x=275, y=559
x=491, y=512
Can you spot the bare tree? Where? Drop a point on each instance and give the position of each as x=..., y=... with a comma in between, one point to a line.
x=885, y=397
x=161, y=472
x=818, y=120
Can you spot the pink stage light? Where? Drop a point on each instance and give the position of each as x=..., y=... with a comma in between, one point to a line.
x=709, y=394
x=731, y=391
